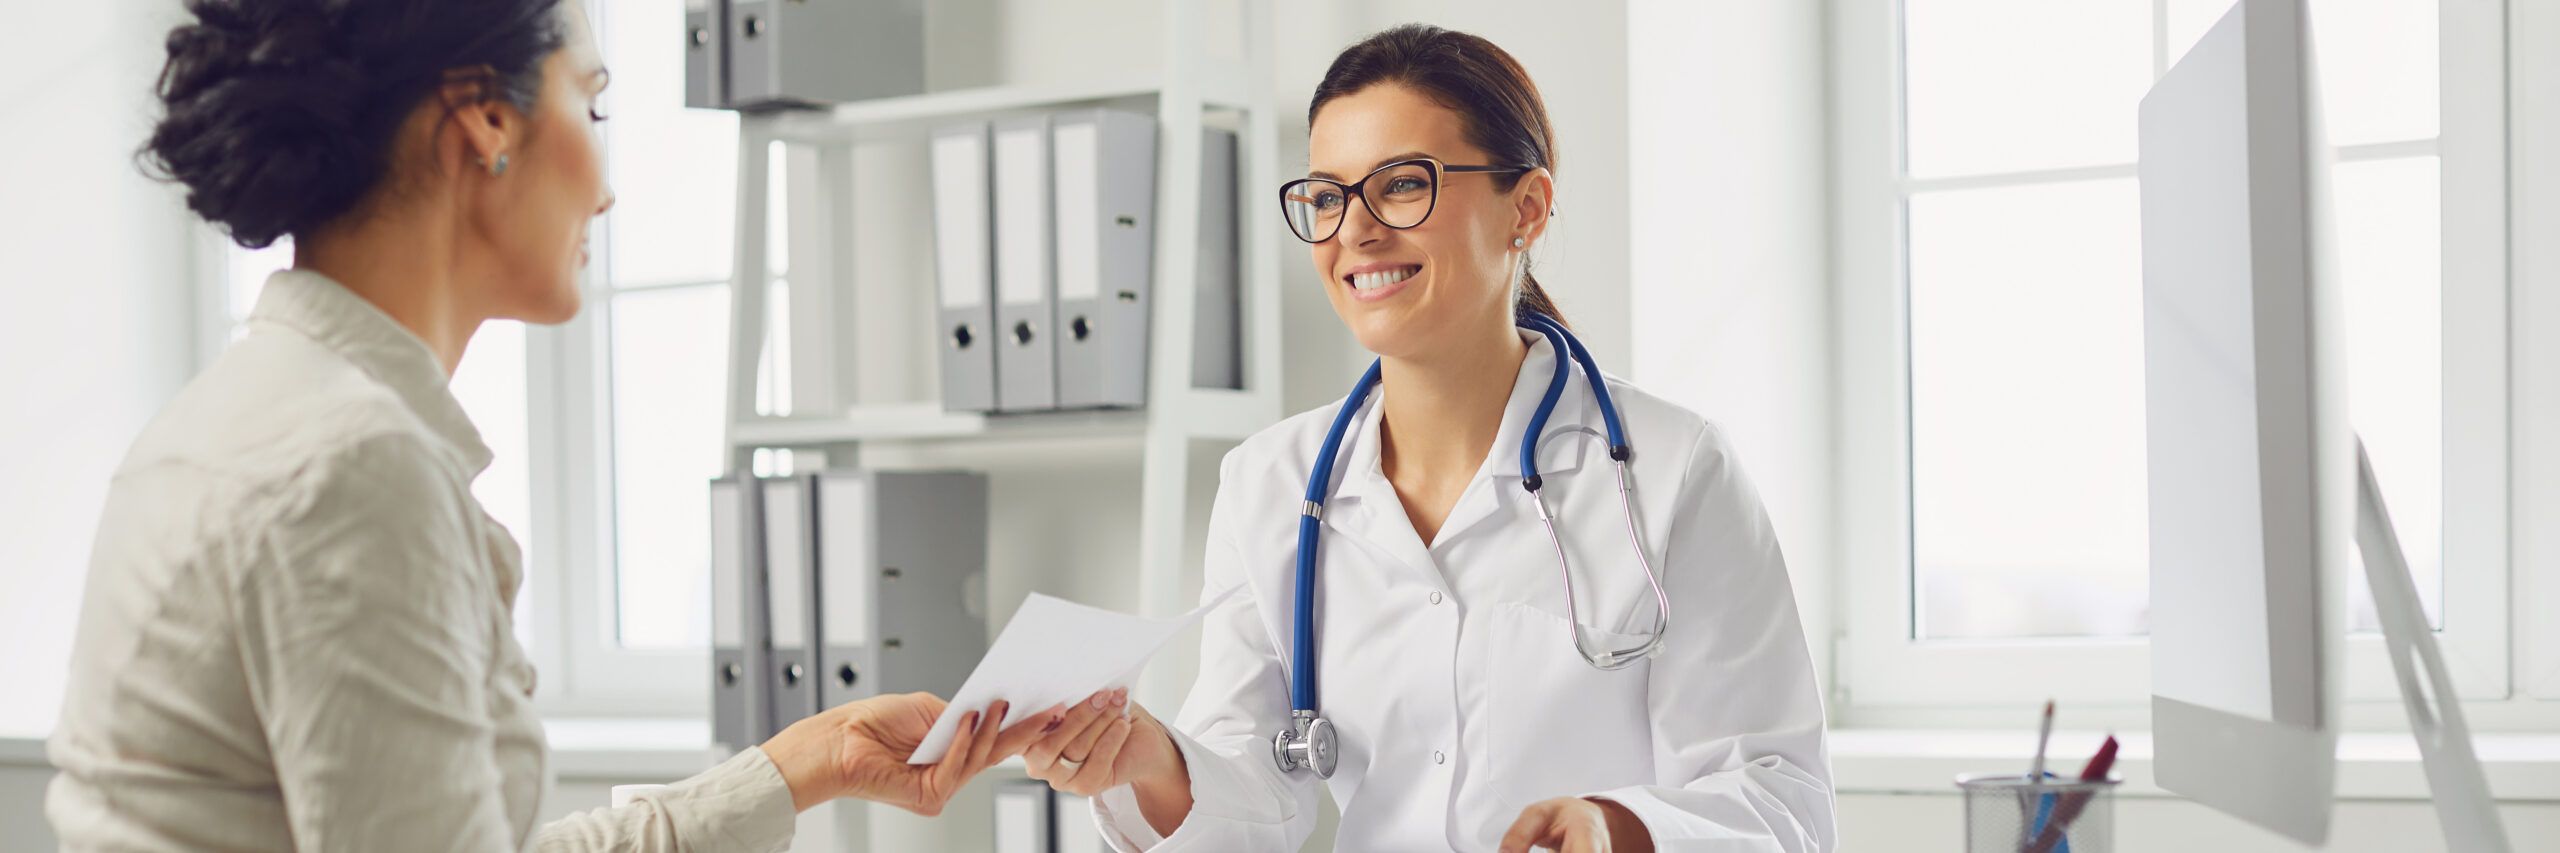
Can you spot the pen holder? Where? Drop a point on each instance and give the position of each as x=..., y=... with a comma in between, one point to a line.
x=2009, y=813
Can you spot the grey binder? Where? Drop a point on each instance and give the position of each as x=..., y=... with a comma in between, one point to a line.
x=964, y=264
x=787, y=53
x=738, y=639
x=902, y=560
x=1026, y=817
x=1217, y=351
x=1103, y=163
x=706, y=54
x=790, y=548
x=1026, y=280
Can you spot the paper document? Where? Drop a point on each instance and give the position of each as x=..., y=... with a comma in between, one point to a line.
x=1056, y=652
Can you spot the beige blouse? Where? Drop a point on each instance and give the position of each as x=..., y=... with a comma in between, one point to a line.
x=297, y=633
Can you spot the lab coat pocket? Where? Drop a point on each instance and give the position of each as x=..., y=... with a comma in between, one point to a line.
x=1560, y=726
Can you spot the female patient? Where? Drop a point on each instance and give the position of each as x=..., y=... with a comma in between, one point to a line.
x=296, y=633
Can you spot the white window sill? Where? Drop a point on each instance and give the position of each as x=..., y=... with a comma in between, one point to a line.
x=632, y=750
x=599, y=749
x=2371, y=765
x=22, y=751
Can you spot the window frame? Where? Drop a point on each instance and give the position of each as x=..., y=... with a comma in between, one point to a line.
x=1891, y=678
x=2536, y=325
x=601, y=677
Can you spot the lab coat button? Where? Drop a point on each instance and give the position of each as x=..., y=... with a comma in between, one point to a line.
x=1438, y=757
x=1435, y=597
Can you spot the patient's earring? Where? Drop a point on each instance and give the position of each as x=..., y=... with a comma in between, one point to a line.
x=1517, y=242
x=495, y=169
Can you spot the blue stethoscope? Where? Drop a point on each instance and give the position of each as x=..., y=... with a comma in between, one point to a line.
x=1309, y=740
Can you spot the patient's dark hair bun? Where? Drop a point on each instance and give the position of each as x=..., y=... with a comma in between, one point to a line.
x=280, y=114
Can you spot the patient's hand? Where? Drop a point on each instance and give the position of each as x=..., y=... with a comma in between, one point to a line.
x=860, y=749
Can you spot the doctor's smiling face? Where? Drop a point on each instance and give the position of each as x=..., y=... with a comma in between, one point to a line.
x=1410, y=272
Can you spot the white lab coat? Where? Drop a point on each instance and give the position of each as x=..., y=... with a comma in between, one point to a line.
x=1447, y=669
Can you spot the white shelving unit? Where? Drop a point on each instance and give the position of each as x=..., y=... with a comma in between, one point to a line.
x=1189, y=90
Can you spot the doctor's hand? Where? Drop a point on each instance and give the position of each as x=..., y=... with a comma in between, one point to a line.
x=860, y=749
x=1104, y=742
x=1107, y=741
x=1578, y=825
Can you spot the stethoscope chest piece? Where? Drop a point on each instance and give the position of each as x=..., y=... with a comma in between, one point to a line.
x=1307, y=743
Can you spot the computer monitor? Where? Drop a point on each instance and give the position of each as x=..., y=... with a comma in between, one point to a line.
x=2251, y=461
x=2257, y=486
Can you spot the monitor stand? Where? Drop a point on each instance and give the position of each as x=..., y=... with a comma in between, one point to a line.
x=2461, y=791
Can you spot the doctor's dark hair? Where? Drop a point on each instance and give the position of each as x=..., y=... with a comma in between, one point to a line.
x=1492, y=95
x=281, y=115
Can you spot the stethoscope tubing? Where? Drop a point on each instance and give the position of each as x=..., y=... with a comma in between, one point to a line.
x=1570, y=352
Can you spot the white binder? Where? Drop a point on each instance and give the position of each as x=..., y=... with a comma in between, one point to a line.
x=1077, y=831
x=1104, y=168
x=1026, y=279
x=1217, y=353
x=738, y=638
x=964, y=263
x=790, y=547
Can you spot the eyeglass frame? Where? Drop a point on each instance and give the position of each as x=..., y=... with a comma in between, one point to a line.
x=1352, y=191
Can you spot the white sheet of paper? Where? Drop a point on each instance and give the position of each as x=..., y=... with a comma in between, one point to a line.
x=1054, y=652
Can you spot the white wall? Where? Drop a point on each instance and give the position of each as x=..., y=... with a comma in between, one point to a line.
x=98, y=328
x=1728, y=139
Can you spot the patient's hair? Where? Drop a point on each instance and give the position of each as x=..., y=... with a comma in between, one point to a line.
x=281, y=114
x=1488, y=90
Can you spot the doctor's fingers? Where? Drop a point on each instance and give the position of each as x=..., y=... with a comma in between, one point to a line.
x=1089, y=715
x=1077, y=753
x=1080, y=748
x=1099, y=772
x=1556, y=825
x=1047, y=750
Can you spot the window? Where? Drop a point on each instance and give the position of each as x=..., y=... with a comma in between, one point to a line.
x=1990, y=259
x=665, y=309
x=647, y=379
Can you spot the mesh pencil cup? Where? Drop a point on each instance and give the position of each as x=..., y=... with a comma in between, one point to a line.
x=2007, y=813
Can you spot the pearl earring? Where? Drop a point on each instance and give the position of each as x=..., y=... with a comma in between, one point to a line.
x=1517, y=242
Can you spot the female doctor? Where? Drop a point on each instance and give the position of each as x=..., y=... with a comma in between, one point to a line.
x=1465, y=710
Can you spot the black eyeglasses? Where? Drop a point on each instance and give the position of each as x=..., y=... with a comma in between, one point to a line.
x=1400, y=195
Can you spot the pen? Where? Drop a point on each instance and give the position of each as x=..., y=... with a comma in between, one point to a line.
x=2031, y=811
x=2076, y=801
x=2044, y=734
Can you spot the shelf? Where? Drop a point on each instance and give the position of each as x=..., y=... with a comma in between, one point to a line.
x=1205, y=413
x=882, y=117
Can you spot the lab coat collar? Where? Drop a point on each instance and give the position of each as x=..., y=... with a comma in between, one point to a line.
x=325, y=311
x=1364, y=476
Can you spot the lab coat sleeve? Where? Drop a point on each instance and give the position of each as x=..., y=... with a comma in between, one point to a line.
x=1240, y=801
x=1737, y=718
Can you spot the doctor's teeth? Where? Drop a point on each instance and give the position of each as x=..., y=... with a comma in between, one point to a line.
x=1375, y=280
